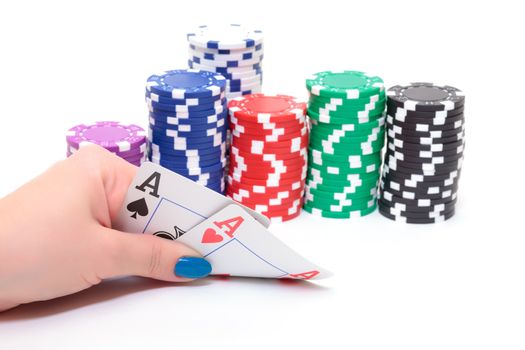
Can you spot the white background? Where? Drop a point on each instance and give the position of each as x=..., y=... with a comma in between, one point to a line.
x=456, y=285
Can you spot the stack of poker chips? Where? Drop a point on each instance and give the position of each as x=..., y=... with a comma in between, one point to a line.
x=268, y=154
x=232, y=50
x=424, y=154
x=126, y=141
x=346, y=110
x=188, y=123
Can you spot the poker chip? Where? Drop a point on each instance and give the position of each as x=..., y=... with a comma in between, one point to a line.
x=425, y=143
x=268, y=154
x=346, y=112
x=234, y=51
x=126, y=141
x=188, y=124
x=186, y=84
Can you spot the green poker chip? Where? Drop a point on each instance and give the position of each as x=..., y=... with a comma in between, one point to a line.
x=377, y=134
x=324, y=203
x=346, y=109
x=339, y=101
x=342, y=178
x=343, y=148
x=354, y=129
x=341, y=186
x=364, y=193
x=346, y=113
x=320, y=158
x=353, y=118
x=344, y=84
x=339, y=215
x=345, y=170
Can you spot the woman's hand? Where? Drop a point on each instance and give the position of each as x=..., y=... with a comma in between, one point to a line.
x=56, y=237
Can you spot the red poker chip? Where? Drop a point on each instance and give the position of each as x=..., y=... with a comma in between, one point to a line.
x=248, y=143
x=271, y=138
x=258, y=128
x=272, y=205
x=248, y=165
x=283, y=218
x=264, y=190
x=268, y=125
x=269, y=159
x=274, y=202
x=283, y=212
x=241, y=177
x=278, y=208
x=265, y=183
x=267, y=156
x=247, y=170
x=264, y=109
x=265, y=175
x=283, y=195
x=280, y=216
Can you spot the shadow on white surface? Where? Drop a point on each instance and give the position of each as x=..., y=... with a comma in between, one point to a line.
x=116, y=288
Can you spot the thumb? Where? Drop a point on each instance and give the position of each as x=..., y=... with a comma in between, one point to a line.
x=154, y=257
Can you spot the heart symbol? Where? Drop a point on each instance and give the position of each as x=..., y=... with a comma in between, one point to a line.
x=211, y=236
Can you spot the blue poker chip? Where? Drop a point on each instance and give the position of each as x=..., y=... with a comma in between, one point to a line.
x=227, y=70
x=204, y=177
x=169, y=151
x=244, y=89
x=185, y=101
x=201, y=163
x=187, y=143
x=186, y=83
x=257, y=47
x=213, y=169
x=198, y=122
x=257, y=79
x=218, y=106
x=187, y=115
x=188, y=134
x=225, y=37
x=228, y=63
x=185, y=159
x=219, y=123
x=230, y=75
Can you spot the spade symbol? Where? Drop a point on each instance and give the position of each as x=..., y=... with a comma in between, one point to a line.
x=138, y=207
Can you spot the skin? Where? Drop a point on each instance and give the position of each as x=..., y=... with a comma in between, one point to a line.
x=56, y=237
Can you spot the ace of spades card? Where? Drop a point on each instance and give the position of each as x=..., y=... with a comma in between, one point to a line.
x=233, y=238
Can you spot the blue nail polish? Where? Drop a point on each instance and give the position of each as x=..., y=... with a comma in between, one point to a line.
x=192, y=267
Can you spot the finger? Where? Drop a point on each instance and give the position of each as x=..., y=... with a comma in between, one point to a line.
x=154, y=257
x=114, y=172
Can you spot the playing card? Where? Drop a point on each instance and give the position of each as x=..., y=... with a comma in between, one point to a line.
x=235, y=244
x=166, y=204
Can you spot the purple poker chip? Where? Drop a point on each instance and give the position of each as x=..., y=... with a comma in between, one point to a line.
x=126, y=154
x=113, y=136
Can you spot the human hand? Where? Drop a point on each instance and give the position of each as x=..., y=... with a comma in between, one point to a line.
x=56, y=237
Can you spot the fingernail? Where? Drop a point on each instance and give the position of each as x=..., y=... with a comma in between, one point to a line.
x=192, y=267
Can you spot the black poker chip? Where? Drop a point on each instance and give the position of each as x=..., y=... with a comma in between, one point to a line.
x=408, y=157
x=425, y=127
x=414, y=125
x=421, y=194
x=420, y=181
x=435, y=147
x=387, y=197
x=426, y=140
x=395, y=110
x=417, y=220
x=430, y=124
x=410, y=208
x=425, y=97
x=397, y=130
x=428, y=213
x=426, y=153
